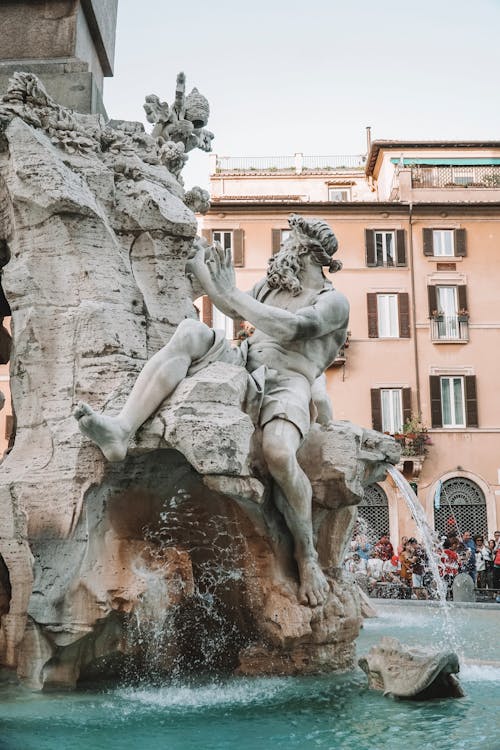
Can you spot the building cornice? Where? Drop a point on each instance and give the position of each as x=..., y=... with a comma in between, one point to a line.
x=443, y=209
x=378, y=146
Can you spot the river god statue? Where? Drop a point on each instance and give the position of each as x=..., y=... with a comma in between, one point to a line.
x=300, y=324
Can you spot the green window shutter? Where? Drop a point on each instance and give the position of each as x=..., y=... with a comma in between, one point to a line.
x=471, y=401
x=371, y=255
x=400, y=247
x=428, y=242
x=376, y=409
x=238, y=249
x=435, y=391
x=460, y=243
x=404, y=315
x=432, y=297
x=276, y=241
x=406, y=392
x=371, y=302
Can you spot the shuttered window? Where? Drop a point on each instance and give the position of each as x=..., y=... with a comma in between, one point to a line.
x=447, y=243
x=230, y=239
x=453, y=401
x=385, y=247
x=388, y=315
x=278, y=238
x=391, y=408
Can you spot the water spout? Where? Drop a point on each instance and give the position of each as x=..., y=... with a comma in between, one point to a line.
x=431, y=545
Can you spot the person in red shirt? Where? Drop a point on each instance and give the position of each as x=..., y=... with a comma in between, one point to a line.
x=450, y=563
x=384, y=548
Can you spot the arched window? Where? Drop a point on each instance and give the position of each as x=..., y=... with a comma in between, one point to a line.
x=462, y=503
x=374, y=510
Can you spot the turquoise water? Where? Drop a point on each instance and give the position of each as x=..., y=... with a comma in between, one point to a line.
x=334, y=712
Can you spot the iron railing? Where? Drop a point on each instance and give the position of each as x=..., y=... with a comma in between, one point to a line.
x=455, y=177
x=296, y=163
x=449, y=328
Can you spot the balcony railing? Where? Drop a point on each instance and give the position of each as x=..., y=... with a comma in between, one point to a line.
x=455, y=177
x=450, y=328
x=297, y=163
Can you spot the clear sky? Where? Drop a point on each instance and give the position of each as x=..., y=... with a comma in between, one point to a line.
x=285, y=76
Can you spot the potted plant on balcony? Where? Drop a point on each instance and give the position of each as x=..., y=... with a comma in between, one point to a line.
x=463, y=315
x=416, y=438
x=437, y=315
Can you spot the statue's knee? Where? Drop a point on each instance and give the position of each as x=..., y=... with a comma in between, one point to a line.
x=278, y=456
x=193, y=337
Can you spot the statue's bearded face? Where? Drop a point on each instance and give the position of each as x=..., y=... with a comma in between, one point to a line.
x=284, y=268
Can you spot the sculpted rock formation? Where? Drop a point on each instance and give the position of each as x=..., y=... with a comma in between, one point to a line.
x=176, y=557
x=411, y=673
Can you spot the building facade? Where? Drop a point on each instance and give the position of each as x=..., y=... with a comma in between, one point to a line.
x=418, y=226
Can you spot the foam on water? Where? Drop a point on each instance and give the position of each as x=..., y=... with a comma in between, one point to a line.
x=477, y=672
x=216, y=694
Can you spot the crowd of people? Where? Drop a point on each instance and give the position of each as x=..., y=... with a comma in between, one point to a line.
x=407, y=573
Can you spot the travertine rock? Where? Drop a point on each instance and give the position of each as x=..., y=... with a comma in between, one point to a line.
x=97, y=229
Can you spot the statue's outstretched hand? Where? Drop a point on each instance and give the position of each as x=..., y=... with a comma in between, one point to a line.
x=220, y=267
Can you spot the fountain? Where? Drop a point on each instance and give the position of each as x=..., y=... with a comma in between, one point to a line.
x=171, y=587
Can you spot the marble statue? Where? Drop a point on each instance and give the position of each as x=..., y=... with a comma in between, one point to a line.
x=99, y=266
x=411, y=673
x=300, y=323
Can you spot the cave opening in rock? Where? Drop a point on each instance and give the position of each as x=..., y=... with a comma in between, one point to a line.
x=5, y=588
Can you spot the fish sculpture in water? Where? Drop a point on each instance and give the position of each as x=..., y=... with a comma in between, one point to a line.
x=411, y=673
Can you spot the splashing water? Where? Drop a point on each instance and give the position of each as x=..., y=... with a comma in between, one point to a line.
x=181, y=626
x=431, y=545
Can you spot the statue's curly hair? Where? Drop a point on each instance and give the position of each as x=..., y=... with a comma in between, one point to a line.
x=316, y=237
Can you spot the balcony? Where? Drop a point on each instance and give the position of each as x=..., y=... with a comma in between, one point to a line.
x=453, y=177
x=292, y=164
x=450, y=329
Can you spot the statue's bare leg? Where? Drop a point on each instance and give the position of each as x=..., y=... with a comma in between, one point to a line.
x=293, y=495
x=156, y=381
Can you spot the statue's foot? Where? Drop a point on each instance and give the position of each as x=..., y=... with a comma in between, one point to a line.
x=105, y=432
x=314, y=588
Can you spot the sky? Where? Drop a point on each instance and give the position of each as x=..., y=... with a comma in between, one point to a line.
x=283, y=76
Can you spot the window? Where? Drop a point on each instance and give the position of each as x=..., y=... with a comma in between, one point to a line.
x=463, y=175
x=443, y=242
x=223, y=238
x=462, y=502
x=339, y=195
x=392, y=410
x=448, y=312
x=279, y=236
x=374, y=510
x=385, y=247
x=222, y=322
x=453, y=401
x=230, y=239
x=388, y=320
x=447, y=304
x=388, y=315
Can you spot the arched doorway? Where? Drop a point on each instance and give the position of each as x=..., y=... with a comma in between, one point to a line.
x=462, y=502
x=374, y=510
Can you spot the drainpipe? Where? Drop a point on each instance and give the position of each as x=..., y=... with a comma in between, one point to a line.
x=413, y=306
